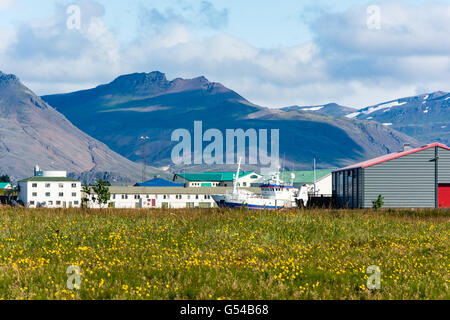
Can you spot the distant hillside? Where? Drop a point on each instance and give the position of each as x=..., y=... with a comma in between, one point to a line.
x=32, y=132
x=425, y=117
x=331, y=109
x=148, y=104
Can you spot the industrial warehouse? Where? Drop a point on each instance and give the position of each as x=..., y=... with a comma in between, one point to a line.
x=412, y=178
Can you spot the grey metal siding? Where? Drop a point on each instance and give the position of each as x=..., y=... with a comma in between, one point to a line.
x=408, y=181
x=360, y=188
x=444, y=165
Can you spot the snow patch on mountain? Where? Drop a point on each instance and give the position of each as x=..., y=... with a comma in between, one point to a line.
x=313, y=109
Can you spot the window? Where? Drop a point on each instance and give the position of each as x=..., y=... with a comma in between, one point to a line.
x=34, y=194
x=32, y=203
x=58, y=203
x=61, y=185
x=61, y=194
x=244, y=184
x=196, y=196
x=47, y=185
x=74, y=185
x=137, y=197
x=50, y=203
x=254, y=177
x=34, y=185
x=47, y=194
x=76, y=203
x=113, y=196
x=164, y=197
x=74, y=194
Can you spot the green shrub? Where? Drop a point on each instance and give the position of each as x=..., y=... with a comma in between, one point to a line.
x=378, y=203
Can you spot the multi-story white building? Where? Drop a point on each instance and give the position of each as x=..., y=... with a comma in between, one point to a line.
x=50, y=189
x=162, y=197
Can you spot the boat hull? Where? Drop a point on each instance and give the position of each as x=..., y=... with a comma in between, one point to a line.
x=252, y=204
x=233, y=205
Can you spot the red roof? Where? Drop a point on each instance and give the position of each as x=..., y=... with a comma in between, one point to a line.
x=392, y=156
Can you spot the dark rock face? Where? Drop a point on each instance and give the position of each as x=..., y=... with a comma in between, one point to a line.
x=32, y=132
x=148, y=104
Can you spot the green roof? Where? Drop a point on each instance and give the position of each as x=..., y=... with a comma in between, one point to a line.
x=304, y=176
x=48, y=179
x=3, y=185
x=213, y=176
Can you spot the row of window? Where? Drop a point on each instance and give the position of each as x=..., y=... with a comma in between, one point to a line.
x=199, y=184
x=48, y=194
x=58, y=203
x=216, y=184
x=48, y=185
x=165, y=196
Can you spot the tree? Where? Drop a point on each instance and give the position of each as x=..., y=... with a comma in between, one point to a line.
x=378, y=203
x=86, y=190
x=5, y=178
x=102, y=194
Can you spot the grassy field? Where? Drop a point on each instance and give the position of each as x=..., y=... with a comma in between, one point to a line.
x=221, y=254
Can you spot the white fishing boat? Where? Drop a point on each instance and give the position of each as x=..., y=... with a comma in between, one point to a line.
x=275, y=194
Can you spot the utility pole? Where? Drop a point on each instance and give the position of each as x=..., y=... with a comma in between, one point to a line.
x=314, y=177
x=144, y=156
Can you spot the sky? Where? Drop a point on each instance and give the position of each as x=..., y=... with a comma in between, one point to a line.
x=274, y=53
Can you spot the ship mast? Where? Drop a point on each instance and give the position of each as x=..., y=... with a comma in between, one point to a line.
x=235, y=182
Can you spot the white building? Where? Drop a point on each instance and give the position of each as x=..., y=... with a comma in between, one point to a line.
x=218, y=179
x=319, y=182
x=50, y=189
x=162, y=197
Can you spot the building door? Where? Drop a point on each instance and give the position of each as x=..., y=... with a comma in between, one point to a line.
x=444, y=195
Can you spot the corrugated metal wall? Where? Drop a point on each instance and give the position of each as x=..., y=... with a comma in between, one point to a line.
x=408, y=181
x=444, y=165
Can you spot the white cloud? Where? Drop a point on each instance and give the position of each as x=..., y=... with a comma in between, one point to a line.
x=6, y=4
x=347, y=63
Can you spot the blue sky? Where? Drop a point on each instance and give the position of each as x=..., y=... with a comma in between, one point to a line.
x=274, y=53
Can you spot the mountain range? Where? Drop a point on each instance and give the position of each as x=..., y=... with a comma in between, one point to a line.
x=425, y=117
x=148, y=104
x=95, y=133
x=32, y=132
